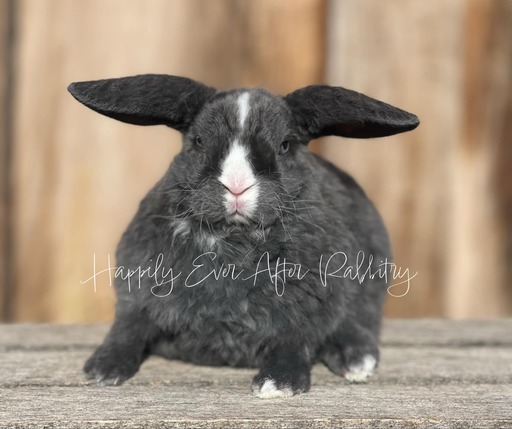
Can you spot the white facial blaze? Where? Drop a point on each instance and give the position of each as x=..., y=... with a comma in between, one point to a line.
x=240, y=181
x=243, y=108
x=236, y=170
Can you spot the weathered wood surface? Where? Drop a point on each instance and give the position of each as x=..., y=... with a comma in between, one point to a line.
x=79, y=177
x=433, y=374
x=4, y=150
x=449, y=63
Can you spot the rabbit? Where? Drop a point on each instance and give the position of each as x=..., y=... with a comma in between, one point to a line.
x=255, y=237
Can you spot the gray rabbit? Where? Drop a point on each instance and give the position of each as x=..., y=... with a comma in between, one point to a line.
x=251, y=251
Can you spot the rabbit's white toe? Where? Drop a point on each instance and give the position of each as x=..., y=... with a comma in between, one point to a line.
x=269, y=390
x=361, y=371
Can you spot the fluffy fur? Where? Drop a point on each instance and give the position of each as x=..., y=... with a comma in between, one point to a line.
x=306, y=208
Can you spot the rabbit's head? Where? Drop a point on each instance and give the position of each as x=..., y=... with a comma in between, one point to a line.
x=244, y=155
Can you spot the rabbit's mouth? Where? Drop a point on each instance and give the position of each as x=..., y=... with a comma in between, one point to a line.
x=238, y=218
x=241, y=206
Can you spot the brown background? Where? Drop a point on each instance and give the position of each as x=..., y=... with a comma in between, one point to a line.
x=71, y=180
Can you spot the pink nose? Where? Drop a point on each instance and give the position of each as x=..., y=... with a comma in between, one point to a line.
x=237, y=190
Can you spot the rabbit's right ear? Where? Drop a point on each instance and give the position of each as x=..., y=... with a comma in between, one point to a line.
x=150, y=99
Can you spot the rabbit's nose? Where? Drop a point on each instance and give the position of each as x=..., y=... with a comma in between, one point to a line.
x=237, y=190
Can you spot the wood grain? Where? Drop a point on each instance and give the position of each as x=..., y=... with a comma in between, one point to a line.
x=501, y=180
x=435, y=187
x=445, y=190
x=395, y=333
x=79, y=176
x=480, y=277
x=3, y=146
x=5, y=46
x=422, y=382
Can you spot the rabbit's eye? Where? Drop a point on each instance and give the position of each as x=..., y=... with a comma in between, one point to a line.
x=198, y=141
x=284, y=147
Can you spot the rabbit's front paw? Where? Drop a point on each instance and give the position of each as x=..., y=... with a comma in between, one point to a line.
x=280, y=383
x=111, y=366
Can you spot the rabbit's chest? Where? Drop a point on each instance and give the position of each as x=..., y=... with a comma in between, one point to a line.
x=204, y=307
x=214, y=325
x=228, y=316
x=209, y=295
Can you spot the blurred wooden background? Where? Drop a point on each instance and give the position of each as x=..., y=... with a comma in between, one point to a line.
x=71, y=180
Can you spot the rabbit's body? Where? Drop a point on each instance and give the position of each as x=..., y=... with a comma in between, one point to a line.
x=226, y=321
x=232, y=210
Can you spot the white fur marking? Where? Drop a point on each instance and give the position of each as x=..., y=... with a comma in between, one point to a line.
x=269, y=390
x=206, y=241
x=243, y=108
x=181, y=227
x=359, y=373
x=236, y=170
x=237, y=175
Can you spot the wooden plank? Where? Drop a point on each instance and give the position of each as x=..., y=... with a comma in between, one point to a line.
x=79, y=176
x=420, y=74
x=271, y=53
x=435, y=187
x=4, y=150
x=405, y=365
x=212, y=407
x=396, y=333
x=439, y=332
x=443, y=386
x=501, y=39
x=479, y=278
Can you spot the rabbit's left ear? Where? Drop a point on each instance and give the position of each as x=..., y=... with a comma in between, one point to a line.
x=322, y=110
x=149, y=99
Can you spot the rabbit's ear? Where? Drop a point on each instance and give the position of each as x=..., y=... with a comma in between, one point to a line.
x=322, y=110
x=149, y=99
